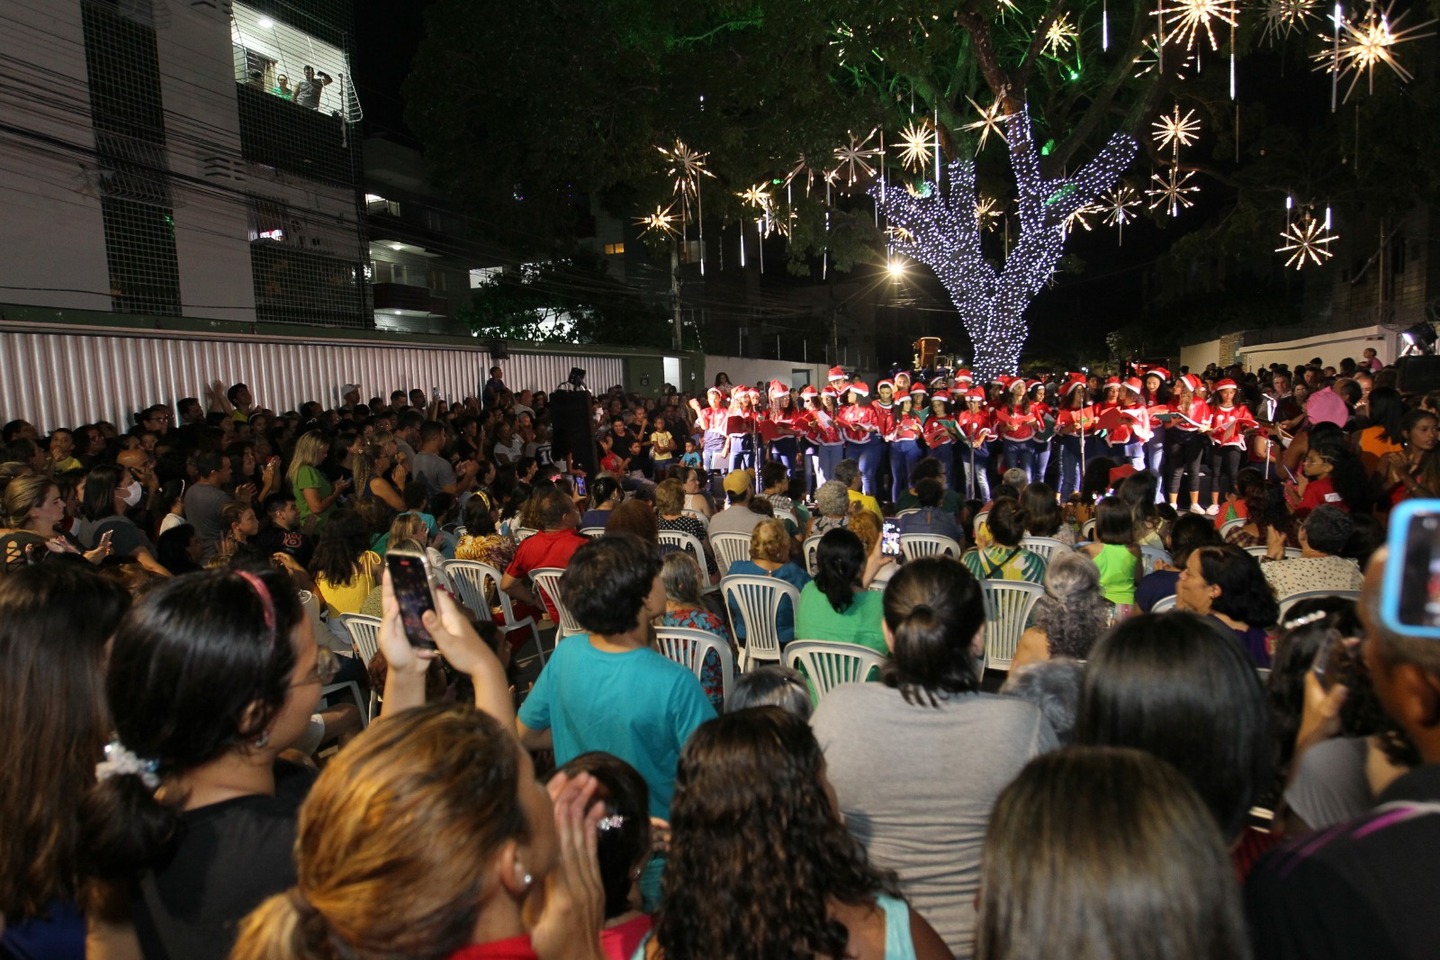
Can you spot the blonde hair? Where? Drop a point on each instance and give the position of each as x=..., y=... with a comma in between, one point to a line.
x=23, y=494
x=770, y=541
x=670, y=497
x=310, y=451
x=396, y=841
x=409, y=526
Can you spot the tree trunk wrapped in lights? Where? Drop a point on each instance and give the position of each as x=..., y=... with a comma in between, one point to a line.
x=941, y=230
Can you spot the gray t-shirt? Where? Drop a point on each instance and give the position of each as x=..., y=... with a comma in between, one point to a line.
x=202, y=511
x=737, y=519
x=1330, y=785
x=433, y=471
x=917, y=785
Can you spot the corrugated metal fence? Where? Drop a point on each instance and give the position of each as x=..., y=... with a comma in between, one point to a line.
x=64, y=377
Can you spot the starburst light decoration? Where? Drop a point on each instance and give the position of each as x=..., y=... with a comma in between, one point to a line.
x=1150, y=59
x=1061, y=36
x=916, y=149
x=853, y=159
x=1175, y=131
x=686, y=167
x=1360, y=46
x=1284, y=18
x=988, y=213
x=1185, y=20
x=990, y=120
x=1172, y=191
x=1307, y=239
x=1081, y=217
x=661, y=221
x=1120, y=206
x=756, y=196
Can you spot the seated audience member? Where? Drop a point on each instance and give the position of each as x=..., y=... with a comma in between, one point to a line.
x=1189, y=532
x=822, y=898
x=178, y=550
x=206, y=496
x=1070, y=617
x=1265, y=511
x=848, y=472
x=933, y=469
x=553, y=546
x=1043, y=517
x=1362, y=888
x=210, y=677
x=838, y=605
x=1004, y=558
x=608, y=689
x=1225, y=583
x=32, y=511
x=623, y=847
x=771, y=685
x=425, y=838
x=932, y=517
x=670, y=515
x=605, y=495
x=344, y=567
x=1053, y=686
x=923, y=819
x=693, y=479
x=684, y=608
x=55, y=621
x=283, y=534
x=1116, y=553
x=108, y=491
x=1331, y=474
x=832, y=503
x=481, y=541
x=1127, y=844
x=770, y=557
x=1181, y=687
x=743, y=511
x=1324, y=535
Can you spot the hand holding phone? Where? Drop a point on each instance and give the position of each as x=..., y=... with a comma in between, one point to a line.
x=890, y=539
x=1410, y=589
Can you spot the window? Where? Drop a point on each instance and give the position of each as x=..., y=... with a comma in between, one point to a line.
x=614, y=249
x=272, y=56
x=376, y=204
x=437, y=280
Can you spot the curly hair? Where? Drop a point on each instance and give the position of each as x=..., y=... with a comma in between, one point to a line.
x=1073, y=613
x=757, y=847
x=1245, y=594
x=608, y=580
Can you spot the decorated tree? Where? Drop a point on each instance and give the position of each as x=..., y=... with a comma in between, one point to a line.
x=859, y=130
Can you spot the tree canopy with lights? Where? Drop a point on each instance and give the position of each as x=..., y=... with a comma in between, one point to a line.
x=971, y=139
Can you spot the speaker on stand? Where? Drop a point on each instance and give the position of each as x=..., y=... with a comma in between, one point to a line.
x=572, y=434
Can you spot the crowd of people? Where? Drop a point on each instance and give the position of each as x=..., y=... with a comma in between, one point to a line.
x=188, y=776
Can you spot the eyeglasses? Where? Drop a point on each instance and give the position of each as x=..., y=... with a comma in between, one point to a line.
x=327, y=666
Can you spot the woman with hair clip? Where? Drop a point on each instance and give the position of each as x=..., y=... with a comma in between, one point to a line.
x=922, y=818
x=377, y=475
x=55, y=620
x=751, y=784
x=1126, y=844
x=191, y=824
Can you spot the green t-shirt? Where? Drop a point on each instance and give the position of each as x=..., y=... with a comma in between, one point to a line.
x=858, y=623
x=950, y=502
x=310, y=478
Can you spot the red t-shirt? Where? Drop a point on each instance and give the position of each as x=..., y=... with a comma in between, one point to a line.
x=1318, y=492
x=552, y=548
x=516, y=948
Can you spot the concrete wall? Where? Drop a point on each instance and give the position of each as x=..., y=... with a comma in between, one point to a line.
x=1331, y=348
x=1197, y=356
x=748, y=370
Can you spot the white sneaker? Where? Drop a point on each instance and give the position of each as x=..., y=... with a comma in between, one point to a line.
x=1212, y=510
x=1196, y=508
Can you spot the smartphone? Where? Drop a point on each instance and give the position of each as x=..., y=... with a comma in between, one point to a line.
x=890, y=539
x=579, y=485
x=1410, y=590
x=410, y=577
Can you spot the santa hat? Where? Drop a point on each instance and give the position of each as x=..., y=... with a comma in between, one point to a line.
x=963, y=376
x=1077, y=381
x=1032, y=384
x=808, y=392
x=941, y=395
x=778, y=389
x=918, y=388
x=1160, y=372
x=1134, y=384
x=837, y=373
x=1192, y=382
x=1113, y=383
x=830, y=392
x=884, y=383
x=975, y=393
x=861, y=387
x=938, y=383
x=1226, y=384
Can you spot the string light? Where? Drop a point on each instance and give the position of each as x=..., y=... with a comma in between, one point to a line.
x=943, y=232
x=1061, y=35
x=1175, y=131
x=1171, y=190
x=1120, y=206
x=661, y=221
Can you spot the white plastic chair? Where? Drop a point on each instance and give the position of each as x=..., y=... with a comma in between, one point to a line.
x=594, y=533
x=1045, y=547
x=906, y=512
x=758, y=600
x=691, y=545
x=1087, y=529
x=475, y=584
x=364, y=635
x=1164, y=604
x=1230, y=525
x=981, y=519
x=1007, y=610
x=1288, y=601
x=688, y=646
x=1154, y=558
x=829, y=664
x=883, y=577
x=353, y=689
x=704, y=520
x=521, y=533
x=811, y=548
x=917, y=545
x=547, y=584
x=1290, y=552
x=730, y=548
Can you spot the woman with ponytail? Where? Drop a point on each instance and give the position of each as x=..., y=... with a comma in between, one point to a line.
x=191, y=823
x=918, y=761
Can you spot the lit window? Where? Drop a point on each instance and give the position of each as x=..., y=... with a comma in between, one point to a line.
x=614, y=249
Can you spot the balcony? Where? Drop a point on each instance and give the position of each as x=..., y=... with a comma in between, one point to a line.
x=277, y=133
x=401, y=296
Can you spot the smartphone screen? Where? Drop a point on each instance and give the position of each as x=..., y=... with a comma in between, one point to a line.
x=410, y=576
x=579, y=485
x=1410, y=592
x=890, y=539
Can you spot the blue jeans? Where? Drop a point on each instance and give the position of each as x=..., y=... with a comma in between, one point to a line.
x=1042, y=460
x=1132, y=453
x=980, y=472
x=1021, y=454
x=1155, y=461
x=904, y=454
x=713, y=444
x=1071, y=468
x=784, y=450
x=826, y=459
x=867, y=454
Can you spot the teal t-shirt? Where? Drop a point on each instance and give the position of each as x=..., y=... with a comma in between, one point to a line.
x=637, y=706
x=858, y=623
